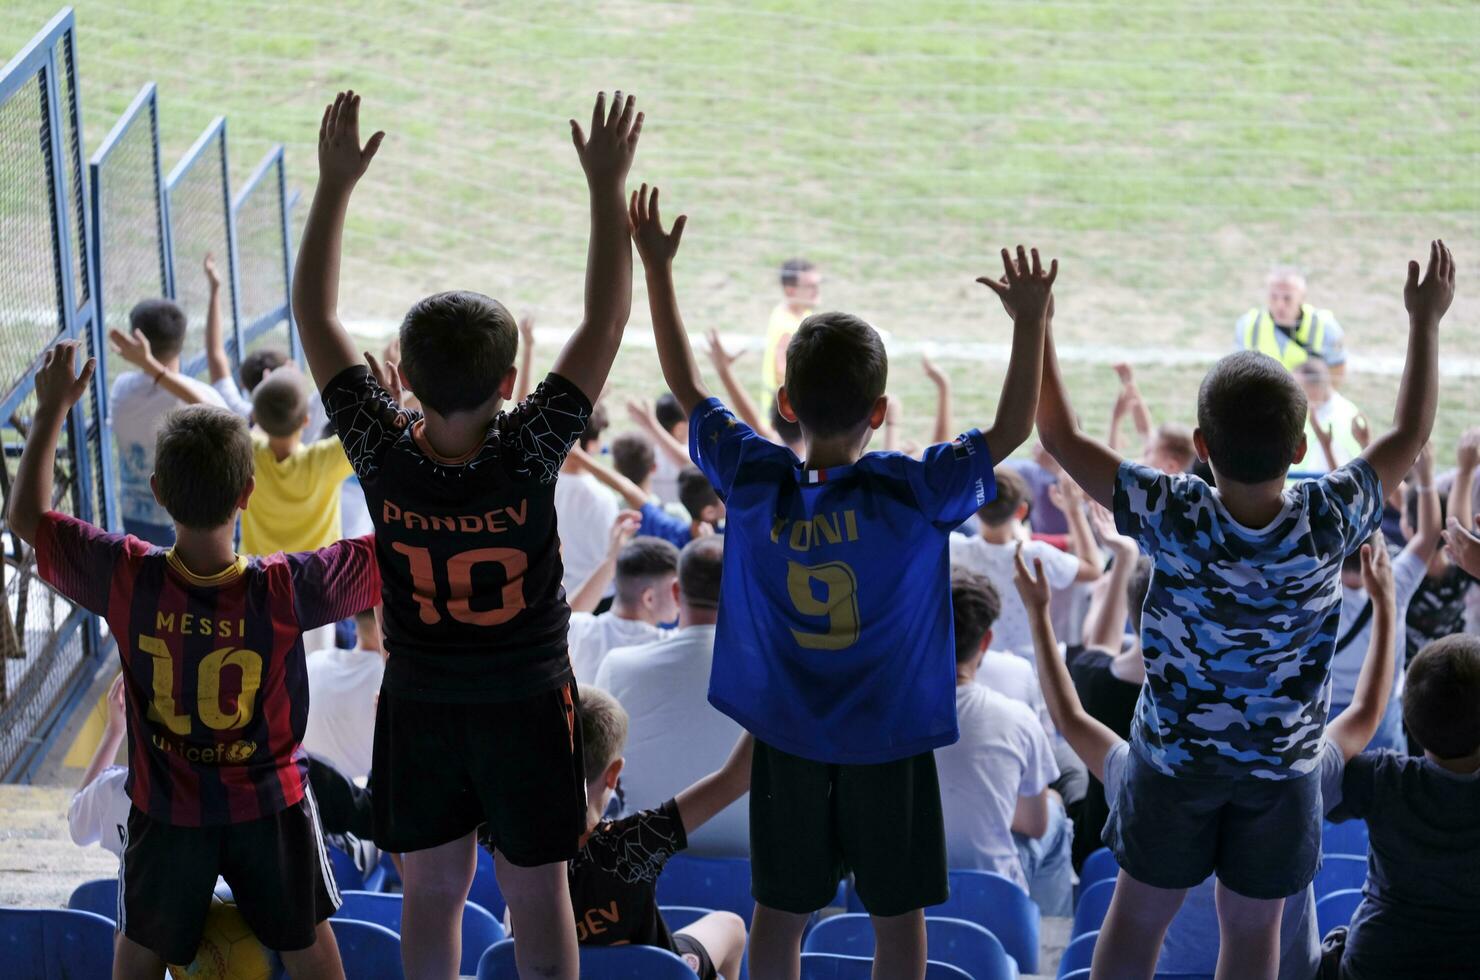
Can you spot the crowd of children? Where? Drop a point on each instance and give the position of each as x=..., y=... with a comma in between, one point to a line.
x=576, y=651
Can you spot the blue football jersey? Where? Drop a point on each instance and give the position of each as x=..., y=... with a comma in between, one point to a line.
x=835, y=641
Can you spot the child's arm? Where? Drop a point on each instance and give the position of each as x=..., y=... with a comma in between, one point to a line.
x=1026, y=292
x=657, y=248
x=1351, y=730
x=114, y=729
x=525, y=379
x=588, y=596
x=1104, y=624
x=1070, y=499
x=606, y=156
x=1461, y=495
x=641, y=412
x=135, y=349
x=1430, y=522
x=216, y=361
x=702, y=801
x=1089, y=738
x=342, y=162
x=1325, y=437
x=1392, y=453
x=1090, y=463
x=740, y=401
x=57, y=390
x=1464, y=546
x=610, y=478
x=1030, y=816
x=944, y=428
x=1140, y=412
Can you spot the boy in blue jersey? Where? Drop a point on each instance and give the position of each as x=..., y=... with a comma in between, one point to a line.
x=834, y=644
x=1238, y=632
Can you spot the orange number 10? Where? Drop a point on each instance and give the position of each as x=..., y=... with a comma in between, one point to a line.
x=460, y=584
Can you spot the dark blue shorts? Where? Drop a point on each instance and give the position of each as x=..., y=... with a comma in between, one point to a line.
x=1262, y=837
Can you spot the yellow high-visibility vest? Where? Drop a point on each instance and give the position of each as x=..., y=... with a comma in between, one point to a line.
x=783, y=322
x=1309, y=336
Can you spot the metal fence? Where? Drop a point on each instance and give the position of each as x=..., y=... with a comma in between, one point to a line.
x=260, y=219
x=47, y=646
x=198, y=203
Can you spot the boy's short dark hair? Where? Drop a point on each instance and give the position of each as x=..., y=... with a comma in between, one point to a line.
x=975, y=605
x=280, y=403
x=259, y=364
x=1012, y=493
x=789, y=432
x=700, y=567
x=202, y=463
x=836, y=369
x=603, y=730
x=633, y=456
x=669, y=412
x=792, y=269
x=1136, y=589
x=456, y=348
x=1441, y=702
x=641, y=563
x=596, y=424
x=695, y=492
x=1252, y=415
x=163, y=323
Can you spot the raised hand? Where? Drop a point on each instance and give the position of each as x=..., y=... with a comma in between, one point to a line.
x=58, y=385
x=1427, y=300
x=656, y=246
x=606, y=153
x=1464, y=546
x=933, y=371
x=624, y=529
x=1032, y=586
x=342, y=160
x=526, y=331
x=1025, y=289
x=387, y=374
x=718, y=355
x=134, y=348
x=1103, y=522
x=1361, y=430
x=1423, y=466
x=213, y=279
x=1125, y=373
x=1468, y=455
x=1377, y=571
x=116, y=721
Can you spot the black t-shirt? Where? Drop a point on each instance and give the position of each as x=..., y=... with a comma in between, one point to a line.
x=1437, y=609
x=614, y=879
x=1111, y=701
x=468, y=550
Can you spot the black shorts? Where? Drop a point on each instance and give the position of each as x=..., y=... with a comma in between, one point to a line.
x=276, y=866
x=813, y=822
x=442, y=770
x=695, y=955
x=1262, y=837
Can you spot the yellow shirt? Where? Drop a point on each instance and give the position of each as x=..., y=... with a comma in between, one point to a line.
x=296, y=504
x=783, y=323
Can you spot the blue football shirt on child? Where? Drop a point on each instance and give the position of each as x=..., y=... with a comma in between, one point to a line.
x=835, y=641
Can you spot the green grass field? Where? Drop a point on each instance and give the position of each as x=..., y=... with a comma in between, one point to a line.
x=1167, y=151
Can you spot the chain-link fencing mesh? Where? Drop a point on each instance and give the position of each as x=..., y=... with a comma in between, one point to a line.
x=198, y=195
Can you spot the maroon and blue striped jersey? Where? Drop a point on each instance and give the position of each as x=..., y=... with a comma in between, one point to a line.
x=215, y=683
x=468, y=549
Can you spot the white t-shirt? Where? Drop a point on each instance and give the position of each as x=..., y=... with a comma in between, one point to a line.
x=675, y=737
x=665, y=479
x=1009, y=674
x=1003, y=754
x=586, y=511
x=98, y=813
x=1408, y=573
x=342, y=685
x=994, y=561
x=591, y=638
x=231, y=394
x=354, y=513
x=138, y=406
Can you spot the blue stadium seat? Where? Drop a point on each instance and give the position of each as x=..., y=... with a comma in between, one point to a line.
x=955, y=941
x=1347, y=837
x=55, y=944
x=99, y=897
x=369, y=951
x=1000, y=906
x=1337, y=909
x=829, y=966
x=1093, y=904
x=480, y=929
x=717, y=883
x=485, y=886
x=1079, y=953
x=1099, y=866
x=1339, y=872
x=346, y=875
x=678, y=916
x=597, y=963
x=1076, y=975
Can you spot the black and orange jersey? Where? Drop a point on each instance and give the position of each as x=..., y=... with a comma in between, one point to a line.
x=468, y=548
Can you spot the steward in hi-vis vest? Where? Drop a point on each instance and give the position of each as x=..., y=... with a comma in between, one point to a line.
x=1290, y=330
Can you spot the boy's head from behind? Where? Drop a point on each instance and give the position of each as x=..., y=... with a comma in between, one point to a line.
x=1172, y=449
x=203, y=466
x=1441, y=699
x=280, y=403
x=647, y=580
x=596, y=423
x=1011, y=502
x=457, y=351
x=259, y=364
x=975, y=605
x=671, y=417
x=698, y=497
x=1250, y=418
x=162, y=323
x=836, y=370
x=633, y=457
x=603, y=738
x=700, y=568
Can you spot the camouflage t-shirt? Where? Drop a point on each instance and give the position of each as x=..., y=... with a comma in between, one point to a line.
x=1240, y=624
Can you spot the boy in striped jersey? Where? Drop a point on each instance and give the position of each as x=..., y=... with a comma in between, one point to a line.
x=215, y=686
